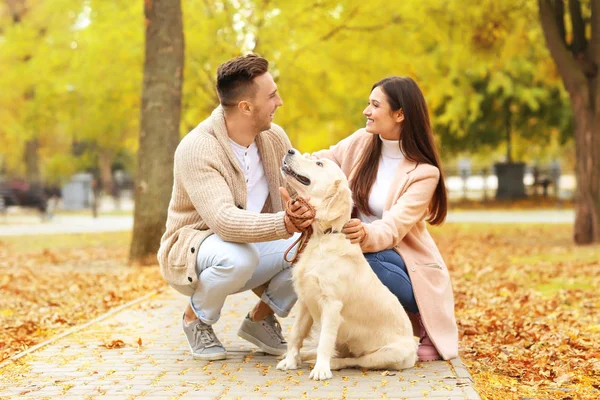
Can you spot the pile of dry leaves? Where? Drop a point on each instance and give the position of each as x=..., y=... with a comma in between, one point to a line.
x=528, y=309
x=48, y=290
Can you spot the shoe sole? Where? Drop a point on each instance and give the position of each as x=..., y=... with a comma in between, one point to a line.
x=208, y=357
x=264, y=347
x=429, y=359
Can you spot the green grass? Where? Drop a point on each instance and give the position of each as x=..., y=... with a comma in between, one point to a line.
x=581, y=254
x=464, y=227
x=31, y=243
x=530, y=203
x=556, y=285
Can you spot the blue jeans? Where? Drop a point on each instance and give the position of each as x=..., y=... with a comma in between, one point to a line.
x=391, y=271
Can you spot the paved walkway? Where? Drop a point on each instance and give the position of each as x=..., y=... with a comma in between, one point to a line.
x=78, y=366
x=15, y=225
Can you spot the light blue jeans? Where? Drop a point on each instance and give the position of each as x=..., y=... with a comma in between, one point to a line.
x=225, y=268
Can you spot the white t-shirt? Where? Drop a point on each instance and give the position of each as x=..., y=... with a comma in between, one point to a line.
x=254, y=172
x=391, y=155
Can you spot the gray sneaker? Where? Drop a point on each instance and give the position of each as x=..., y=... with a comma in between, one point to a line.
x=203, y=342
x=266, y=334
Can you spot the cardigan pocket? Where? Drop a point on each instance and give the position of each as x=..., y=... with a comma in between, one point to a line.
x=430, y=265
x=182, y=258
x=178, y=256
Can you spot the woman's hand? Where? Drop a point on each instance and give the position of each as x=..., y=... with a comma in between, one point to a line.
x=295, y=208
x=354, y=230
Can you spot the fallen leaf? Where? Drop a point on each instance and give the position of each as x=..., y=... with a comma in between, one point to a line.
x=115, y=344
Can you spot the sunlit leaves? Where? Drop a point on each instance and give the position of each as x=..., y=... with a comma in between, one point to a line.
x=527, y=306
x=469, y=57
x=74, y=73
x=49, y=285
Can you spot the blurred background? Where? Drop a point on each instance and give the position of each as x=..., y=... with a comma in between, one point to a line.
x=72, y=73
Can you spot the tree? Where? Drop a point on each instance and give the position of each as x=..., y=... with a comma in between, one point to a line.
x=469, y=57
x=482, y=70
x=159, y=125
x=34, y=42
x=507, y=107
x=107, y=90
x=60, y=89
x=576, y=53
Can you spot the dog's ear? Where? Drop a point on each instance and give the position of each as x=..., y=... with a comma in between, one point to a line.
x=336, y=206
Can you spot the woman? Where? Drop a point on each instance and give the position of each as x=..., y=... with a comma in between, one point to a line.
x=394, y=172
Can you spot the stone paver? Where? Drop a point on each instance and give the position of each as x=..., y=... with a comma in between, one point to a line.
x=78, y=366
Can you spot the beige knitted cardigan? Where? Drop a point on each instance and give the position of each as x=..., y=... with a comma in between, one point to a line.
x=210, y=194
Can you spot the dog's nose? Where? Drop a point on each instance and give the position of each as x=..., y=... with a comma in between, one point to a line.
x=291, y=152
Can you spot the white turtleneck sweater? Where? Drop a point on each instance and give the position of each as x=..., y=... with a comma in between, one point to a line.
x=391, y=155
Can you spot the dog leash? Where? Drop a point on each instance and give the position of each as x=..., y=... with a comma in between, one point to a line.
x=297, y=219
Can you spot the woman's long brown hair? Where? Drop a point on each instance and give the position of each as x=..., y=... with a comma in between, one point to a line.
x=418, y=145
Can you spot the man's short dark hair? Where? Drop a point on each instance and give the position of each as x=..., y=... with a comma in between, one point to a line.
x=235, y=78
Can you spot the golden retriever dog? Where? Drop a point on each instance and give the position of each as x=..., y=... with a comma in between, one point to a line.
x=362, y=324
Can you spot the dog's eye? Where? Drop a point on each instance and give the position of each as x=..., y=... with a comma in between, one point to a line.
x=319, y=163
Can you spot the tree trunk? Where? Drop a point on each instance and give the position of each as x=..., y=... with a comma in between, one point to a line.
x=104, y=163
x=587, y=154
x=32, y=161
x=578, y=67
x=507, y=119
x=159, y=125
x=18, y=9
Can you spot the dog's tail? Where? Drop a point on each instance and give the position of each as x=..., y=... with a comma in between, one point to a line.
x=407, y=347
x=310, y=355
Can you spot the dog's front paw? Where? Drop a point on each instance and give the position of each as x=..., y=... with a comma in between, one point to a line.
x=288, y=363
x=320, y=372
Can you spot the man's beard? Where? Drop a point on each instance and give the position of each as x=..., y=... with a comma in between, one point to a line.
x=263, y=124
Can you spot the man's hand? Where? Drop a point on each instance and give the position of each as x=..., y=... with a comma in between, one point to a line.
x=354, y=230
x=295, y=208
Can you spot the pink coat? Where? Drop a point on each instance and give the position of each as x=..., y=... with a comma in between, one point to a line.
x=404, y=229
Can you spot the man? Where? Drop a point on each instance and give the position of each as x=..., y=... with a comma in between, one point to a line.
x=226, y=231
